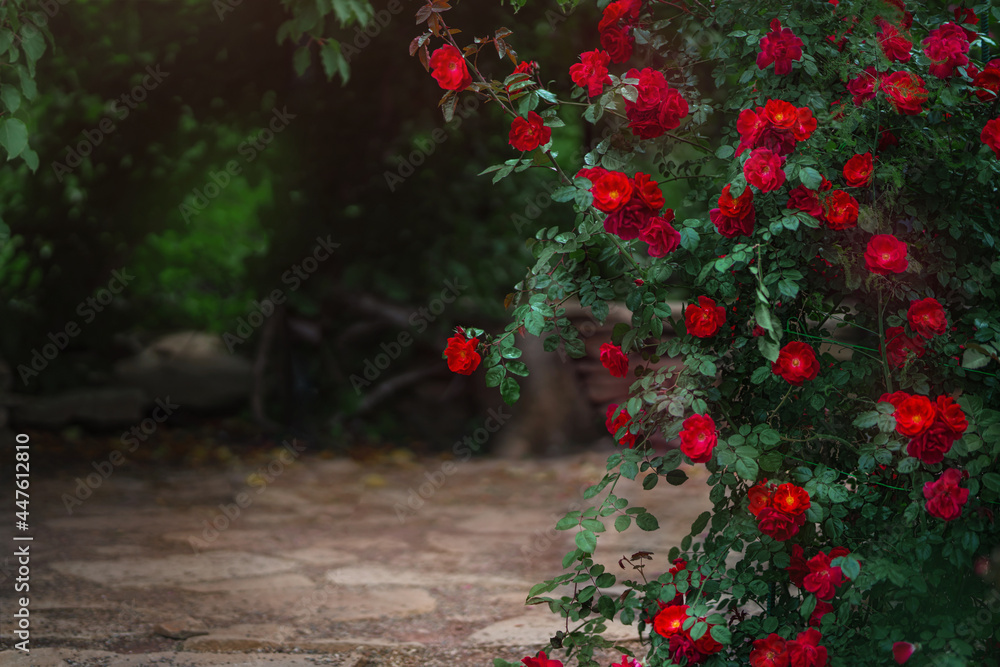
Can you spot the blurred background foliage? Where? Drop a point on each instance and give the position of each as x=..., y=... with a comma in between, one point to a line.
x=222, y=75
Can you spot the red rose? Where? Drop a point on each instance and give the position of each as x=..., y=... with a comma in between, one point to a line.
x=946, y=47
x=895, y=398
x=906, y=92
x=760, y=497
x=658, y=107
x=698, y=438
x=611, y=191
x=592, y=72
x=619, y=11
x=931, y=445
x=461, y=354
x=528, y=134
x=683, y=650
x=614, y=425
x=704, y=319
x=944, y=497
x=858, y=170
x=763, y=170
x=749, y=124
x=805, y=651
x=823, y=579
x=991, y=135
x=769, y=652
x=526, y=67
x=886, y=139
x=661, y=236
x=805, y=126
x=779, y=525
x=629, y=221
x=988, y=81
x=927, y=318
x=797, y=568
x=886, y=254
x=618, y=43
x=863, y=86
x=670, y=619
x=819, y=611
x=781, y=114
x=899, y=347
x=804, y=199
x=840, y=210
x=894, y=45
x=901, y=651
x=914, y=415
x=951, y=414
x=541, y=660
x=591, y=173
x=706, y=644
x=734, y=217
x=646, y=189
x=790, y=499
x=614, y=360
x=781, y=47
x=796, y=363
x=450, y=69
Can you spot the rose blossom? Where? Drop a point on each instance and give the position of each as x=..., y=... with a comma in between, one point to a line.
x=987, y=80
x=823, y=578
x=658, y=108
x=926, y=317
x=894, y=399
x=886, y=254
x=670, y=619
x=991, y=135
x=899, y=347
x=931, y=445
x=944, y=497
x=863, y=86
x=759, y=496
x=661, y=236
x=698, y=438
x=840, y=210
x=614, y=425
x=858, y=170
x=734, y=217
x=592, y=72
x=946, y=47
x=611, y=191
x=628, y=221
x=790, y=499
x=618, y=43
x=450, y=69
x=613, y=359
x=804, y=199
x=951, y=414
x=796, y=363
x=805, y=651
x=914, y=415
x=528, y=134
x=901, y=651
x=541, y=660
x=821, y=609
x=763, y=170
x=769, y=652
x=461, y=354
x=705, y=318
x=894, y=45
x=779, y=525
x=781, y=47
x=798, y=567
x=906, y=92
x=646, y=189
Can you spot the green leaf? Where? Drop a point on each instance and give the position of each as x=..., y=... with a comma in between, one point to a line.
x=991, y=480
x=301, y=59
x=622, y=522
x=908, y=465
x=650, y=480
x=509, y=390
x=721, y=634
x=700, y=523
x=689, y=238
x=747, y=469
x=334, y=61
x=568, y=522
x=586, y=541
x=33, y=44
x=11, y=97
x=494, y=376
x=810, y=178
x=725, y=152
x=647, y=521
x=13, y=137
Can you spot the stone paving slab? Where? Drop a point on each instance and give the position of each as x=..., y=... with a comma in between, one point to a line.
x=333, y=563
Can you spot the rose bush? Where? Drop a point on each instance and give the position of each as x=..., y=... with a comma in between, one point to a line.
x=785, y=170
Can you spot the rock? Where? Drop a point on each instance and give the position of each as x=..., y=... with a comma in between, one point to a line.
x=180, y=570
x=254, y=637
x=191, y=367
x=105, y=406
x=182, y=627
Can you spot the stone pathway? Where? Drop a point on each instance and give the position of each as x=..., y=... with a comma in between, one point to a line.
x=315, y=562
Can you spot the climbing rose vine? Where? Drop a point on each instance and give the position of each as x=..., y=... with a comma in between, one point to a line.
x=798, y=204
